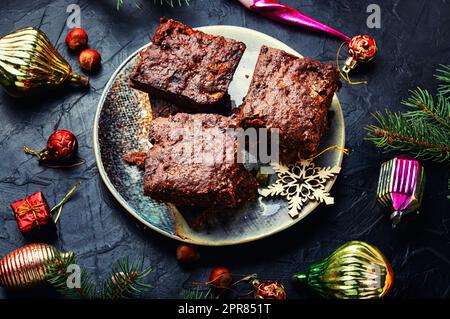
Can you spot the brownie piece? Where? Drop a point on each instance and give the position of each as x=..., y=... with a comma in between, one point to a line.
x=188, y=67
x=163, y=108
x=193, y=162
x=293, y=95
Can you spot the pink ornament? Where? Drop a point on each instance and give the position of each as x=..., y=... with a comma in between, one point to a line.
x=286, y=14
x=400, y=186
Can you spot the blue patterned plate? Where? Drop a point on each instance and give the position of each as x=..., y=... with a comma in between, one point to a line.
x=121, y=125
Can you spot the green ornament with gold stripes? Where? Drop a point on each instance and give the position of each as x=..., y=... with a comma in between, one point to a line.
x=355, y=270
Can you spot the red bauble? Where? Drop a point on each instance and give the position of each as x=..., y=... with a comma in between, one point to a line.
x=361, y=49
x=268, y=289
x=220, y=277
x=77, y=39
x=62, y=145
x=89, y=59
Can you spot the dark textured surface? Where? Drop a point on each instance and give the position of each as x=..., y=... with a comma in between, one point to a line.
x=413, y=39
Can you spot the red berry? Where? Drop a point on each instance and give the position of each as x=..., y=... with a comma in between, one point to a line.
x=77, y=39
x=220, y=277
x=89, y=59
x=62, y=145
x=187, y=253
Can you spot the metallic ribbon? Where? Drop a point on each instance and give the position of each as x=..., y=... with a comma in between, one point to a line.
x=28, y=207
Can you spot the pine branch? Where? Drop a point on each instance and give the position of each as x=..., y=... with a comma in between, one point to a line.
x=423, y=132
x=396, y=132
x=125, y=281
x=197, y=293
x=427, y=110
x=443, y=76
x=58, y=276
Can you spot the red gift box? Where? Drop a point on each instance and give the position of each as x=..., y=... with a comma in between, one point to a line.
x=32, y=212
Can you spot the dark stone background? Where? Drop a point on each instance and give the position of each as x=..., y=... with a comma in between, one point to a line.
x=413, y=39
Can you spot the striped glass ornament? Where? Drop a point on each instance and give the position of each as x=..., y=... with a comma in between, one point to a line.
x=356, y=270
x=27, y=266
x=29, y=62
x=400, y=186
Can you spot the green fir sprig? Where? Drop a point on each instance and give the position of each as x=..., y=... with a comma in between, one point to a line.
x=199, y=293
x=424, y=131
x=124, y=281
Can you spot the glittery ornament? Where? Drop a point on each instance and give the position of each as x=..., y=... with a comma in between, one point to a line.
x=267, y=289
x=27, y=266
x=361, y=49
x=62, y=146
x=400, y=186
x=29, y=62
x=355, y=270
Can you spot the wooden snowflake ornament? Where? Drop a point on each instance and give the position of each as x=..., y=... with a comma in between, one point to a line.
x=301, y=182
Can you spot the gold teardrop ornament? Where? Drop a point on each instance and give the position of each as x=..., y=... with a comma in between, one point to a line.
x=27, y=266
x=29, y=62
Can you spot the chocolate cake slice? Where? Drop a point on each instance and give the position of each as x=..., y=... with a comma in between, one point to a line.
x=163, y=108
x=293, y=95
x=187, y=67
x=193, y=162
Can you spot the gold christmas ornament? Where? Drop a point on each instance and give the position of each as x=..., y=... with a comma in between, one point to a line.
x=27, y=266
x=29, y=62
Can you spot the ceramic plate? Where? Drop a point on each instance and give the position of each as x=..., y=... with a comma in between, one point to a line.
x=121, y=125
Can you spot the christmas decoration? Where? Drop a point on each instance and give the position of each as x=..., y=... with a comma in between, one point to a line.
x=62, y=146
x=124, y=281
x=423, y=132
x=28, y=266
x=77, y=39
x=33, y=213
x=187, y=253
x=29, y=62
x=220, y=277
x=36, y=264
x=282, y=13
x=361, y=48
x=89, y=59
x=355, y=270
x=400, y=186
x=301, y=182
x=267, y=289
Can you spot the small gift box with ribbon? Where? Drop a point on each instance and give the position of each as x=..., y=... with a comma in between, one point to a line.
x=34, y=216
x=32, y=213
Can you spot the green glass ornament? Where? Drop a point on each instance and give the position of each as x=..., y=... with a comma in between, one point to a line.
x=355, y=270
x=29, y=62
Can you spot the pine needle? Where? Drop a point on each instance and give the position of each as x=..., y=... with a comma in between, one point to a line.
x=124, y=281
x=199, y=293
x=424, y=131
